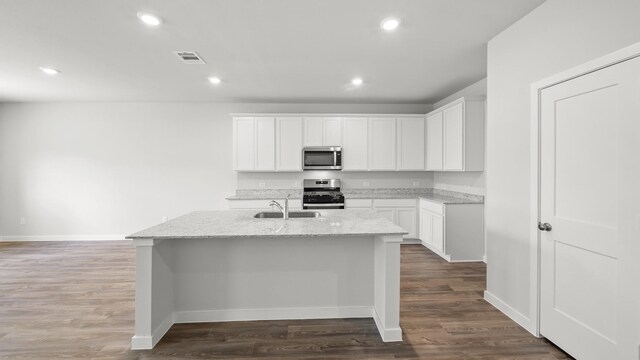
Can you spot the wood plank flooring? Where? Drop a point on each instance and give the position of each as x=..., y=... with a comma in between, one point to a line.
x=75, y=300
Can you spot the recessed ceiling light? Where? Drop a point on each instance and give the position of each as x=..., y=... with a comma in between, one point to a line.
x=356, y=81
x=149, y=19
x=215, y=80
x=49, y=70
x=390, y=24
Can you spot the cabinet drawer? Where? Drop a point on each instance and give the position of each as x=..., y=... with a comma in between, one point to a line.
x=435, y=207
x=357, y=203
x=394, y=203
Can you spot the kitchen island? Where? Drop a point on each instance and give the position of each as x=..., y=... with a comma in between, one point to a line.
x=210, y=266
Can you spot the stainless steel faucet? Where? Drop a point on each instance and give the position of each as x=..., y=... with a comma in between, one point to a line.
x=285, y=209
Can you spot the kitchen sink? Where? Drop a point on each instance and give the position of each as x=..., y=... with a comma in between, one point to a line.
x=292, y=214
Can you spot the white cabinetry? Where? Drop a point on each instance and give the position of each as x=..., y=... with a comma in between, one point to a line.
x=411, y=140
x=453, y=231
x=289, y=144
x=455, y=136
x=323, y=131
x=434, y=141
x=382, y=143
x=355, y=143
x=401, y=212
x=254, y=144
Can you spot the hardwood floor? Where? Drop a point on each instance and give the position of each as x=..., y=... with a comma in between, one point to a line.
x=76, y=300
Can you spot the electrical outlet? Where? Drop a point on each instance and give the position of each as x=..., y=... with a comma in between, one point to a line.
x=261, y=185
x=165, y=219
x=467, y=187
x=297, y=184
x=23, y=221
x=365, y=183
x=416, y=184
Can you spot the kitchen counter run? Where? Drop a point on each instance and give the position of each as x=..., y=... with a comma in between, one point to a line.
x=241, y=223
x=438, y=195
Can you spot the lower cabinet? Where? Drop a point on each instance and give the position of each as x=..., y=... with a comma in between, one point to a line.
x=401, y=212
x=453, y=231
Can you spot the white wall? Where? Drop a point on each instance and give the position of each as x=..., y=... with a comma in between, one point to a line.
x=477, y=89
x=89, y=169
x=556, y=36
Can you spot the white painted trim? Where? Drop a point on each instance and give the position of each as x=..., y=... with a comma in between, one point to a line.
x=484, y=258
x=613, y=58
x=411, y=241
x=387, y=334
x=272, y=314
x=146, y=342
x=7, y=238
x=512, y=313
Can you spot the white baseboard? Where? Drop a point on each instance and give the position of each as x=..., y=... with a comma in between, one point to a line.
x=8, y=238
x=409, y=241
x=146, y=342
x=272, y=314
x=387, y=334
x=512, y=313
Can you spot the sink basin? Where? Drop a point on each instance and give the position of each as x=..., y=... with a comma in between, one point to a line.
x=292, y=214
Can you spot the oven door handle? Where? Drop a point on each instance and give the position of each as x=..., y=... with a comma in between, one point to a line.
x=324, y=205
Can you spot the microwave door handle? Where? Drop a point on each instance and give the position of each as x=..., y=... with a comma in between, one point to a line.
x=335, y=158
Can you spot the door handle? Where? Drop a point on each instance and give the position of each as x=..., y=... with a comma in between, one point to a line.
x=544, y=227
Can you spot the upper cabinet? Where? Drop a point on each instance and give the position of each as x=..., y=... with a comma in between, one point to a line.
x=382, y=143
x=254, y=144
x=322, y=131
x=289, y=143
x=263, y=143
x=355, y=143
x=455, y=136
x=411, y=143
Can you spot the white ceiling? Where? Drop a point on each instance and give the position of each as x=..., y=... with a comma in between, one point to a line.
x=264, y=51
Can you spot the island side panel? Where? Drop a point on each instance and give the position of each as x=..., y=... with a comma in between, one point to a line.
x=387, y=287
x=262, y=278
x=154, y=292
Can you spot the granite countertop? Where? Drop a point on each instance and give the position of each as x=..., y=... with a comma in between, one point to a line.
x=241, y=223
x=438, y=195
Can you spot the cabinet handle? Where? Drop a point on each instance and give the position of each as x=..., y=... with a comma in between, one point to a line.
x=544, y=227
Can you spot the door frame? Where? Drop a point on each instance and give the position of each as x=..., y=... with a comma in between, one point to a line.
x=600, y=63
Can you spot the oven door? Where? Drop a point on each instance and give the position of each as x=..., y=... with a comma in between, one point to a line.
x=322, y=158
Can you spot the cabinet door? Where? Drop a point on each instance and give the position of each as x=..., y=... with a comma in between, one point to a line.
x=265, y=143
x=437, y=241
x=332, y=131
x=406, y=219
x=289, y=144
x=244, y=143
x=453, y=137
x=354, y=144
x=387, y=213
x=313, y=131
x=426, y=228
x=434, y=141
x=382, y=144
x=411, y=144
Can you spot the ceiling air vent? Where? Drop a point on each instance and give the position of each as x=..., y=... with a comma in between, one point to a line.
x=189, y=57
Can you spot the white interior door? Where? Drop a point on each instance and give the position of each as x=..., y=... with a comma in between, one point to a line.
x=589, y=163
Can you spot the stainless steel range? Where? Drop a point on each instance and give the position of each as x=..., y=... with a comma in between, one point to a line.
x=322, y=194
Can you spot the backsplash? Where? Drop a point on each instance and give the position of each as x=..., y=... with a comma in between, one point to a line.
x=359, y=179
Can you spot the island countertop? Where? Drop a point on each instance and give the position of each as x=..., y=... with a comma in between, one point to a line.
x=241, y=223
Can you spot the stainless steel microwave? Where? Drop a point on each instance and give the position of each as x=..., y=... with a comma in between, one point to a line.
x=322, y=158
